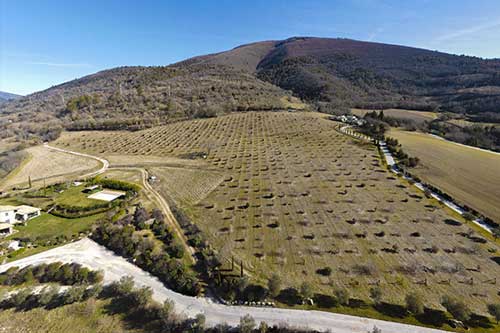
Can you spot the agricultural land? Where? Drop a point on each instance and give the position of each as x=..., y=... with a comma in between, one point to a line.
x=468, y=174
x=287, y=193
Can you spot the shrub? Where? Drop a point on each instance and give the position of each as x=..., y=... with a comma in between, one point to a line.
x=494, y=310
x=458, y=309
x=414, y=304
x=247, y=324
x=376, y=294
x=306, y=290
x=342, y=296
x=274, y=285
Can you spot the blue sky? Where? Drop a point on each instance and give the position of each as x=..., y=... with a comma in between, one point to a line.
x=43, y=43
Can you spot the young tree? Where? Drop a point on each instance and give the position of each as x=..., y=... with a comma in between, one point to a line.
x=494, y=310
x=459, y=310
x=167, y=313
x=242, y=283
x=342, y=296
x=414, y=304
x=47, y=295
x=376, y=294
x=496, y=232
x=306, y=291
x=263, y=327
x=20, y=297
x=199, y=323
x=274, y=285
x=158, y=215
x=247, y=324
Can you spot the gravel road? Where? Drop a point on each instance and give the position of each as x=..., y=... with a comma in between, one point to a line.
x=90, y=254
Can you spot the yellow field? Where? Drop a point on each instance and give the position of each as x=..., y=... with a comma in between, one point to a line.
x=468, y=174
x=52, y=166
x=419, y=116
x=298, y=196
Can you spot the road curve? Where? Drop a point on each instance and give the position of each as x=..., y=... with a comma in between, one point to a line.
x=104, y=162
x=90, y=254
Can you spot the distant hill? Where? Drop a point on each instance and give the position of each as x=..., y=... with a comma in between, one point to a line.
x=327, y=73
x=5, y=96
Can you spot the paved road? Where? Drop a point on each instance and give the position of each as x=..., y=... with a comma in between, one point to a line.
x=94, y=256
x=104, y=162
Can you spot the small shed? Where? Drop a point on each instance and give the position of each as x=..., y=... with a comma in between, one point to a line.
x=91, y=188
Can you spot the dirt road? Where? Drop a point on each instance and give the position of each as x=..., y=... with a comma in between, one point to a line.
x=104, y=162
x=88, y=253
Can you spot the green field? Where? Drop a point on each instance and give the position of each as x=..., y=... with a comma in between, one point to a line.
x=48, y=226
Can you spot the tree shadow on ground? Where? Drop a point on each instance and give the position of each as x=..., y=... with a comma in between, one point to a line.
x=325, y=301
x=289, y=296
x=432, y=317
x=391, y=310
x=477, y=320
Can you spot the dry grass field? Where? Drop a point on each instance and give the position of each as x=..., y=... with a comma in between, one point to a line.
x=418, y=116
x=89, y=316
x=52, y=166
x=298, y=196
x=468, y=174
x=187, y=186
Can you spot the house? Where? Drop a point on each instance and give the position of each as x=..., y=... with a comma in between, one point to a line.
x=18, y=214
x=5, y=229
x=25, y=213
x=7, y=214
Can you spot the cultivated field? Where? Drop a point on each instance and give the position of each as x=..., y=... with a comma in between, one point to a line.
x=470, y=175
x=418, y=116
x=298, y=196
x=52, y=166
x=187, y=186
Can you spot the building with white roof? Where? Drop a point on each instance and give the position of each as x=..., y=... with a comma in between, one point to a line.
x=18, y=214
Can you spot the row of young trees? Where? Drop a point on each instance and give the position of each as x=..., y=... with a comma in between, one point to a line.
x=66, y=274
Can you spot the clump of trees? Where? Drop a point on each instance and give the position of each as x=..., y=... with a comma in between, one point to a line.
x=121, y=237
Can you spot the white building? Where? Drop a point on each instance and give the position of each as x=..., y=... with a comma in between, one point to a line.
x=18, y=214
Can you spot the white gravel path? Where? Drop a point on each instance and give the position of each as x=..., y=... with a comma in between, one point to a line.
x=90, y=254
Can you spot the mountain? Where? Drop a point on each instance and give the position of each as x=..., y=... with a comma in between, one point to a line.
x=327, y=73
x=5, y=96
x=345, y=72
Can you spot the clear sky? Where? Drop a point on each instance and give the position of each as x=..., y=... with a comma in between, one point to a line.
x=44, y=42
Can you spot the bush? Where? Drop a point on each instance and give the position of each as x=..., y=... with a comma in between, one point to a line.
x=414, y=304
x=342, y=296
x=274, y=285
x=459, y=310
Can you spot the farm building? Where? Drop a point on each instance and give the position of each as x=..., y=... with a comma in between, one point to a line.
x=17, y=214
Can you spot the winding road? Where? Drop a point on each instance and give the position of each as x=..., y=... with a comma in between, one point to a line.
x=88, y=253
